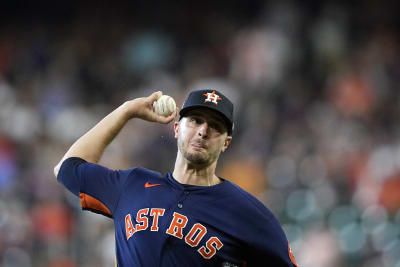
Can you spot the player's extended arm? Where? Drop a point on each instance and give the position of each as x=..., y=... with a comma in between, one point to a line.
x=92, y=144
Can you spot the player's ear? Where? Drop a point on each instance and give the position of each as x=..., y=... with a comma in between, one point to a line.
x=176, y=128
x=227, y=141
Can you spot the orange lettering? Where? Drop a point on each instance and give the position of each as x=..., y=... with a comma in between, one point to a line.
x=130, y=230
x=143, y=221
x=155, y=213
x=213, y=244
x=195, y=234
x=177, y=224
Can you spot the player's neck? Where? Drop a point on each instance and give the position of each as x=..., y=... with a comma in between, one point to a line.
x=185, y=173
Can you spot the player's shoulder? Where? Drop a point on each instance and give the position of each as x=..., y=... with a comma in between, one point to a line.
x=248, y=202
x=245, y=196
x=249, y=209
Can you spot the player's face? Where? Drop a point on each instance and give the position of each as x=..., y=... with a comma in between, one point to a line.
x=202, y=136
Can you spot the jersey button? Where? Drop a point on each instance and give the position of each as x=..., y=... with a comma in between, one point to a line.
x=186, y=192
x=180, y=205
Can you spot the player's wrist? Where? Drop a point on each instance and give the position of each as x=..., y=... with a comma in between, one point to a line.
x=128, y=110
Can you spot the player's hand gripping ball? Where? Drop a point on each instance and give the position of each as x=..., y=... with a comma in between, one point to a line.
x=164, y=106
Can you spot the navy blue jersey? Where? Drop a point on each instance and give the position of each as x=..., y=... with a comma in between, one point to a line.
x=160, y=222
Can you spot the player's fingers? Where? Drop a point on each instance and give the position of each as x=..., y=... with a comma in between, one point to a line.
x=176, y=111
x=154, y=96
x=173, y=115
x=169, y=118
x=161, y=119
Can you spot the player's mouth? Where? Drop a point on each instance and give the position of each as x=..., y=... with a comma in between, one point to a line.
x=198, y=145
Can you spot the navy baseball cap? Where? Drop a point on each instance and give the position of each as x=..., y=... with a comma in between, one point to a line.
x=212, y=99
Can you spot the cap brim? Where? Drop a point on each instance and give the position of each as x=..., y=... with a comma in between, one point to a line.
x=183, y=111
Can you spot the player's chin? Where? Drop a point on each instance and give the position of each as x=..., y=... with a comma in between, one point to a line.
x=197, y=157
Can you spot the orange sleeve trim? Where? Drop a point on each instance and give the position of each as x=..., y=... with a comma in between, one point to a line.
x=90, y=203
x=292, y=259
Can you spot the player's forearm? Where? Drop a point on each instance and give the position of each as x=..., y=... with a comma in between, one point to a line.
x=92, y=144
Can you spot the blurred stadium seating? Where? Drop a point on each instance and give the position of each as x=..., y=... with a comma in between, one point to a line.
x=317, y=133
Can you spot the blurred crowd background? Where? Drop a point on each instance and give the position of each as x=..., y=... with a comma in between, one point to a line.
x=317, y=133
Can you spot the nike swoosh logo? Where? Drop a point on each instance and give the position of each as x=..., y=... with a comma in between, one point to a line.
x=147, y=185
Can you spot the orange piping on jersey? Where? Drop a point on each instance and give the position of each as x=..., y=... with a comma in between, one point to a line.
x=292, y=259
x=91, y=203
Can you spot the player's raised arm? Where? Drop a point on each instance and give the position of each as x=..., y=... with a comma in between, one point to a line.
x=92, y=144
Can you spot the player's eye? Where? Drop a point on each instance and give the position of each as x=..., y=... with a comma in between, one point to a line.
x=195, y=120
x=217, y=127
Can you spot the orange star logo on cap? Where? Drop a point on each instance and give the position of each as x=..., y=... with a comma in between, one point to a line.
x=212, y=97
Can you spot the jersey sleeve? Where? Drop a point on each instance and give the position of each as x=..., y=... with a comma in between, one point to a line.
x=264, y=237
x=98, y=187
x=269, y=241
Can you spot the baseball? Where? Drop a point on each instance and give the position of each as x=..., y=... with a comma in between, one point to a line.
x=164, y=106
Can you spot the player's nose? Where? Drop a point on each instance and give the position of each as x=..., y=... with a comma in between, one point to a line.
x=203, y=130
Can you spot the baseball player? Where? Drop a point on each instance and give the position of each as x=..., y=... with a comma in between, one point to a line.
x=189, y=217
